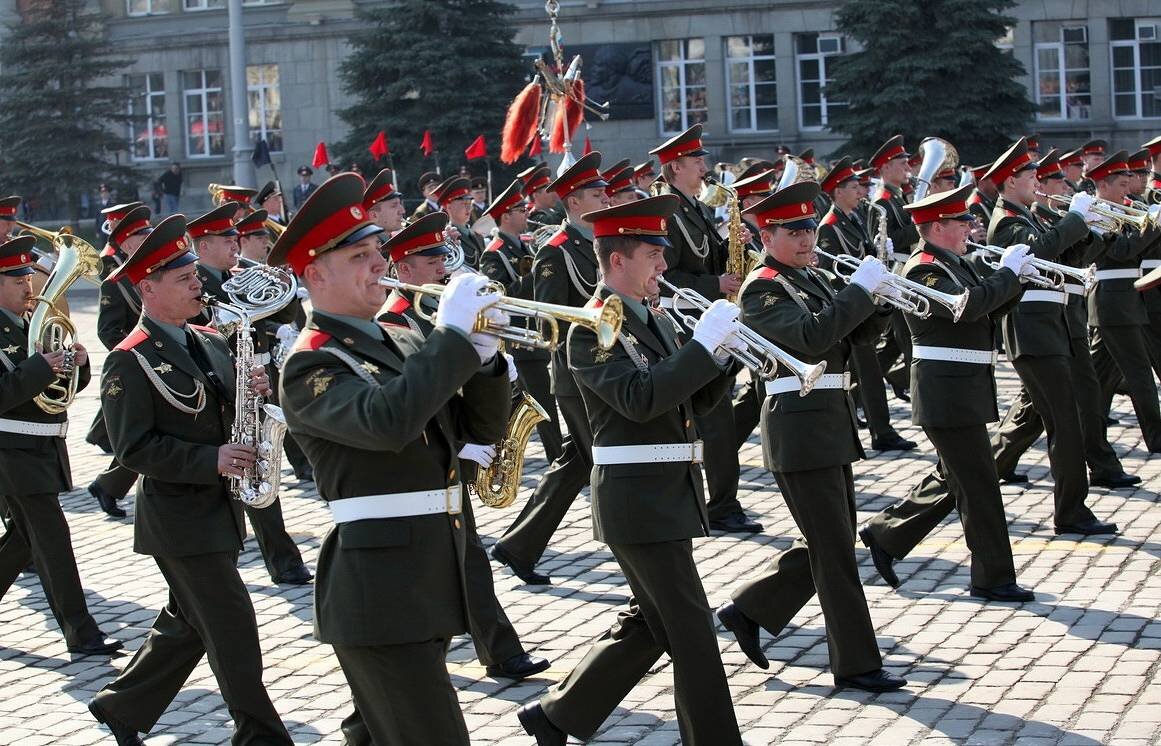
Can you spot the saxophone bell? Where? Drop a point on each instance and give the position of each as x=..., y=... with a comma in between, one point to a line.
x=496, y=486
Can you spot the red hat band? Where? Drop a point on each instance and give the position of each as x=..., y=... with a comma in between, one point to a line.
x=516, y=200
x=883, y=158
x=787, y=213
x=210, y=227
x=418, y=243
x=536, y=184
x=324, y=235
x=242, y=198
x=939, y=211
x=643, y=225
x=576, y=182
x=124, y=230
x=1048, y=170
x=1010, y=168
x=1108, y=169
x=836, y=177
x=454, y=194
x=679, y=150
x=16, y=261
x=160, y=257
x=1094, y=150
x=7, y=212
x=384, y=192
x=1141, y=165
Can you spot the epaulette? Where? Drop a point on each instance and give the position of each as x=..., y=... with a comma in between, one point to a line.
x=831, y=218
x=926, y=257
x=1011, y=213
x=765, y=273
x=400, y=305
x=206, y=329
x=108, y=251
x=311, y=339
x=557, y=240
x=495, y=245
x=136, y=337
x=975, y=199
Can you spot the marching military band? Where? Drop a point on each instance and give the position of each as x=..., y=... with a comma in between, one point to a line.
x=386, y=356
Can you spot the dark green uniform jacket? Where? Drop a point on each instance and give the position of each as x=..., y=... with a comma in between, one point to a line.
x=541, y=218
x=1115, y=302
x=500, y=262
x=565, y=272
x=900, y=229
x=118, y=313
x=393, y=580
x=399, y=311
x=472, y=244
x=1073, y=256
x=698, y=255
x=838, y=234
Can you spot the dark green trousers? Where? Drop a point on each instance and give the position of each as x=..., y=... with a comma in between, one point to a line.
x=403, y=695
x=747, y=410
x=494, y=637
x=669, y=614
x=116, y=480
x=38, y=532
x=209, y=613
x=535, y=379
x=872, y=393
x=822, y=502
x=1123, y=350
x=965, y=479
x=895, y=352
x=717, y=432
x=279, y=551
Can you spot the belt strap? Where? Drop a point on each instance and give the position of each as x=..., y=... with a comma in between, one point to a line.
x=1117, y=274
x=1045, y=296
x=41, y=429
x=1072, y=289
x=397, y=505
x=680, y=304
x=652, y=453
x=1148, y=264
x=787, y=384
x=954, y=355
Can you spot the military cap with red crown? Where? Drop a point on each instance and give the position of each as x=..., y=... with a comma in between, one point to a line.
x=1071, y=158
x=217, y=222
x=253, y=224
x=615, y=169
x=239, y=194
x=509, y=199
x=456, y=187
x=807, y=156
x=1094, y=147
x=1048, y=167
x=1139, y=161
x=620, y=181
x=424, y=237
x=1153, y=146
x=110, y=215
x=331, y=218
x=381, y=187
x=17, y=256
x=535, y=179
x=166, y=247
x=979, y=171
x=646, y=220
x=133, y=222
x=644, y=169
x=583, y=174
x=688, y=143
x=841, y=172
x=1115, y=165
x=791, y=208
x=942, y=206
x=889, y=150
x=1013, y=161
x=9, y=206
x=760, y=183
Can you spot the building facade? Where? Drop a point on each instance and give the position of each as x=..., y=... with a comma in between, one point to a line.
x=755, y=72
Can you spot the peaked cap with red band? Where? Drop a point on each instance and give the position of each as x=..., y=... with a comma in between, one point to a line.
x=1049, y=166
x=1115, y=165
x=889, y=150
x=456, y=187
x=615, y=169
x=217, y=222
x=621, y=181
x=1139, y=161
x=807, y=156
x=679, y=146
x=166, y=247
x=646, y=220
x=331, y=218
x=1033, y=142
x=1153, y=146
x=133, y=222
x=509, y=199
x=842, y=171
x=583, y=174
x=253, y=224
x=424, y=237
x=758, y=184
x=239, y=194
x=17, y=256
x=791, y=207
x=114, y=213
x=9, y=206
x=1014, y=160
x=535, y=178
x=268, y=190
x=1094, y=147
x=380, y=188
x=1071, y=158
x=644, y=169
x=942, y=206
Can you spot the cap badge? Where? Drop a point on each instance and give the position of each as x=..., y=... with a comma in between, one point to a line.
x=357, y=212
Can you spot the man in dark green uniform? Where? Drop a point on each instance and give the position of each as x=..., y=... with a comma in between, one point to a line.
x=621, y=188
x=479, y=198
x=34, y=460
x=644, y=175
x=696, y=259
x=383, y=203
x=216, y=241
x=112, y=256
x=269, y=198
x=428, y=184
x=455, y=199
x=390, y=590
x=641, y=395
x=544, y=206
x=954, y=397
x=565, y=273
x=508, y=261
x=794, y=306
x=1036, y=336
x=168, y=395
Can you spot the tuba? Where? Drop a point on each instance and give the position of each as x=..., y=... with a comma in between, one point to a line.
x=938, y=155
x=796, y=171
x=52, y=329
x=496, y=485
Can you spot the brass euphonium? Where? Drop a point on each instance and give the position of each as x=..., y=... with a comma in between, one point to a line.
x=41, y=233
x=938, y=155
x=496, y=486
x=50, y=327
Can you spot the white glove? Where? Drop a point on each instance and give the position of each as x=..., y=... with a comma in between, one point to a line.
x=1014, y=257
x=890, y=247
x=887, y=290
x=286, y=334
x=481, y=454
x=302, y=293
x=1028, y=269
x=512, y=374
x=733, y=343
x=716, y=325
x=870, y=275
x=1081, y=204
x=487, y=345
x=462, y=302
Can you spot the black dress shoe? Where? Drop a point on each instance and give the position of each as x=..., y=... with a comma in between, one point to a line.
x=1014, y=478
x=1009, y=592
x=527, y=574
x=893, y=442
x=294, y=576
x=745, y=632
x=860, y=422
x=875, y=681
x=107, y=502
x=1091, y=527
x=97, y=646
x=900, y=392
x=1115, y=481
x=735, y=523
x=884, y=563
x=125, y=735
x=518, y=667
x=537, y=725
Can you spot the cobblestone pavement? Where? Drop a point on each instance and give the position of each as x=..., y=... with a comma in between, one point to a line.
x=1079, y=666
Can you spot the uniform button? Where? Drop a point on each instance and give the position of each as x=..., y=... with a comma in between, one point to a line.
x=451, y=475
x=688, y=423
x=456, y=523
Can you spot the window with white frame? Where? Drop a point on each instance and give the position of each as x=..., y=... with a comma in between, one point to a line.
x=146, y=7
x=812, y=52
x=204, y=121
x=148, y=137
x=265, y=105
x=752, y=83
x=1135, y=46
x=681, y=70
x=204, y=4
x=1063, y=89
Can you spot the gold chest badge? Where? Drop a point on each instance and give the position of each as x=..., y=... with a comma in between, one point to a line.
x=319, y=381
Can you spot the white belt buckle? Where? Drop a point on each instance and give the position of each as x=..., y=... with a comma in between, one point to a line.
x=453, y=499
x=696, y=451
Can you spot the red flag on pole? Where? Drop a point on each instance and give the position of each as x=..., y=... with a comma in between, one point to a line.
x=428, y=144
x=320, y=156
x=588, y=146
x=536, y=148
x=478, y=149
x=379, y=147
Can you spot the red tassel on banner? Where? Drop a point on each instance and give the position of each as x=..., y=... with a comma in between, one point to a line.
x=520, y=124
x=573, y=108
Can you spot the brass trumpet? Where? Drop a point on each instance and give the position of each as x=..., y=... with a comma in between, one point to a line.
x=1051, y=274
x=41, y=233
x=605, y=321
x=913, y=297
x=1116, y=216
x=761, y=355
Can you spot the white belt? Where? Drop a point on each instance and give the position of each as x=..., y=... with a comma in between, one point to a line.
x=397, y=505
x=43, y=429
x=787, y=384
x=954, y=355
x=653, y=453
x=1117, y=274
x=1150, y=263
x=667, y=301
x=1045, y=296
x=1073, y=289
x=262, y=358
